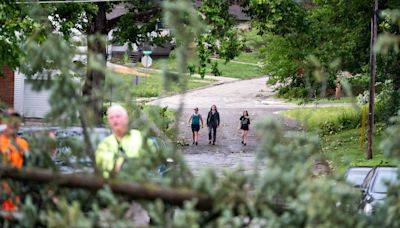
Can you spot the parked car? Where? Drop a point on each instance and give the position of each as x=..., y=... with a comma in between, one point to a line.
x=375, y=185
x=68, y=138
x=356, y=175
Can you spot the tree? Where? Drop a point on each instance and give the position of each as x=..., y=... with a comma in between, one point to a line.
x=327, y=30
x=14, y=27
x=133, y=22
x=281, y=191
x=91, y=20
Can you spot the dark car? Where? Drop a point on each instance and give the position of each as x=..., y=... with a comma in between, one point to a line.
x=356, y=175
x=375, y=185
x=66, y=140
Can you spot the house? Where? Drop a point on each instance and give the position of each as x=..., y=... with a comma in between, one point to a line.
x=17, y=93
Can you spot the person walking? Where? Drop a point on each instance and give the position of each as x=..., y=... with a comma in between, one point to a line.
x=244, y=126
x=195, y=120
x=213, y=121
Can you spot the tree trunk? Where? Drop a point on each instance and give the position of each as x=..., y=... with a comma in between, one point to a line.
x=96, y=47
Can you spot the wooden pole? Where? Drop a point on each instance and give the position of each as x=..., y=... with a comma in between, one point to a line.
x=374, y=34
x=132, y=190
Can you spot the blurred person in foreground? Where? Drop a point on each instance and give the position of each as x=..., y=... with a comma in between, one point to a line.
x=14, y=152
x=122, y=144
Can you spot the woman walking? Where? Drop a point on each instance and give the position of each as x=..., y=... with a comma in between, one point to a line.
x=195, y=120
x=212, y=124
x=244, y=126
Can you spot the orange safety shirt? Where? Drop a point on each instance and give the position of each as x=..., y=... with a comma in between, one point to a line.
x=12, y=152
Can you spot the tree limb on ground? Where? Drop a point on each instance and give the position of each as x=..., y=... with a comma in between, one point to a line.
x=132, y=190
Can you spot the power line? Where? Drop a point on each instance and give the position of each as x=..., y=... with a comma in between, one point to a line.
x=67, y=1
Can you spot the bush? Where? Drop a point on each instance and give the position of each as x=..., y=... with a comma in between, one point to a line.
x=359, y=84
x=292, y=92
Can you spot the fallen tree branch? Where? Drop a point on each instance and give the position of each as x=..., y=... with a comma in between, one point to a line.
x=130, y=189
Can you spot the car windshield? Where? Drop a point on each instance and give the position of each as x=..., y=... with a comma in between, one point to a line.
x=356, y=178
x=383, y=178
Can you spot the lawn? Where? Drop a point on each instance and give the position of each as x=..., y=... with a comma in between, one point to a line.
x=152, y=86
x=340, y=135
x=343, y=100
x=343, y=150
x=315, y=119
x=231, y=69
x=248, y=57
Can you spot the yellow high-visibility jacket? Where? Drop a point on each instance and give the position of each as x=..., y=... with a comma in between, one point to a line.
x=110, y=151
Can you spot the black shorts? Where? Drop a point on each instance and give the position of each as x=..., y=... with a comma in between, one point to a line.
x=195, y=127
x=245, y=127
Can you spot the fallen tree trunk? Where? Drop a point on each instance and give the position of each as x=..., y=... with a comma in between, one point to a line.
x=130, y=189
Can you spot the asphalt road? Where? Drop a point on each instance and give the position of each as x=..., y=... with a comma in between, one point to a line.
x=231, y=99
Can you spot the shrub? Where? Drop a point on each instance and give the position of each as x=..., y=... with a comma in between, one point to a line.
x=292, y=92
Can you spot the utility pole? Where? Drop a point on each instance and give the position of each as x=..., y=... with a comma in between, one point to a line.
x=374, y=34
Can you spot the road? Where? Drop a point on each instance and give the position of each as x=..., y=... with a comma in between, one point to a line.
x=231, y=99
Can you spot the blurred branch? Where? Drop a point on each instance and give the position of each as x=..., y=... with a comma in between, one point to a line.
x=132, y=190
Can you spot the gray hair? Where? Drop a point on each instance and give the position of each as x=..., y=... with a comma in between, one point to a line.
x=117, y=108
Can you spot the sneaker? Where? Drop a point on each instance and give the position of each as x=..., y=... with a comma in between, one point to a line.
x=197, y=143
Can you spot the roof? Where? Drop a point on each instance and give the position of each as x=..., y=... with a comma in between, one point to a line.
x=117, y=11
x=235, y=10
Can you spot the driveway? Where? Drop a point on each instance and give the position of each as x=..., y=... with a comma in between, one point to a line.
x=231, y=99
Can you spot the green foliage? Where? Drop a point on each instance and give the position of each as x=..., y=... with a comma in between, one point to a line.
x=278, y=17
x=327, y=30
x=281, y=191
x=15, y=27
x=220, y=36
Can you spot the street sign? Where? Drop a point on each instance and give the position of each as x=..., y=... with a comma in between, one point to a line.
x=146, y=61
x=147, y=52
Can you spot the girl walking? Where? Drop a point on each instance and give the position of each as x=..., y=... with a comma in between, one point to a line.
x=212, y=124
x=244, y=126
x=195, y=120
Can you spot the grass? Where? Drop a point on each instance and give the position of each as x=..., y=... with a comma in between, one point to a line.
x=343, y=150
x=340, y=138
x=315, y=119
x=343, y=100
x=248, y=57
x=152, y=86
x=231, y=69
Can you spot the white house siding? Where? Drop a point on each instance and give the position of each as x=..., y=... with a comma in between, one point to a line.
x=19, y=81
x=36, y=103
x=29, y=103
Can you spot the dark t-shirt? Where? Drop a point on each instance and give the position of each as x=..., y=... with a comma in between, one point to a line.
x=245, y=122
